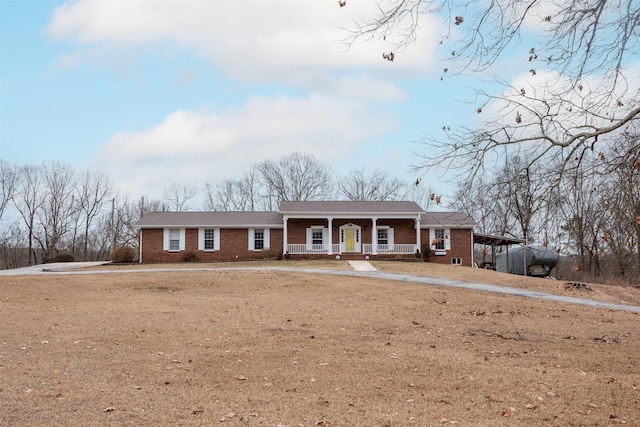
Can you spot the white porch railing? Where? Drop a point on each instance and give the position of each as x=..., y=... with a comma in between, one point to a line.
x=302, y=248
x=398, y=249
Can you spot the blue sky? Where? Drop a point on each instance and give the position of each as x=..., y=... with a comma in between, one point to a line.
x=152, y=92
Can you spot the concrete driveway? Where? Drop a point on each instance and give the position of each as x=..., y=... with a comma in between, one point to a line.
x=48, y=268
x=63, y=268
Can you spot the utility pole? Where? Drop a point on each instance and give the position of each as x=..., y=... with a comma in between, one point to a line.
x=113, y=225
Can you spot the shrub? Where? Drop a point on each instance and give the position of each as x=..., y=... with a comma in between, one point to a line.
x=271, y=254
x=123, y=254
x=62, y=258
x=426, y=252
x=189, y=256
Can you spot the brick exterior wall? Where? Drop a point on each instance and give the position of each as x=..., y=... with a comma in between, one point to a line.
x=461, y=246
x=234, y=243
x=234, y=246
x=404, y=232
x=403, y=229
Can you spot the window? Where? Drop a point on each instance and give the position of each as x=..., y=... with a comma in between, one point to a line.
x=456, y=261
x=439, y=240
x=174, y=239
x=316, y=236
x=209, y=239
x=258, y=240
x=383, y=236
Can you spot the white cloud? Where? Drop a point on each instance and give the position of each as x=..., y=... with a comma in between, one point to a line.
x=193, y=147
x=255, y=40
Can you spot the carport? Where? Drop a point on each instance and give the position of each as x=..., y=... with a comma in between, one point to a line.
x=493, y=241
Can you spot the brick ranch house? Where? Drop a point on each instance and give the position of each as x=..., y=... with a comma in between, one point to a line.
x=308, y=230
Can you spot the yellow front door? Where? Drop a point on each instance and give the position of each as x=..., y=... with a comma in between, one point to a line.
x=350, y=239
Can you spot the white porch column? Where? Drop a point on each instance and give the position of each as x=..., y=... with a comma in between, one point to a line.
x=330, y=226
x=374, y=236
x=418, y=235
x=284, y=235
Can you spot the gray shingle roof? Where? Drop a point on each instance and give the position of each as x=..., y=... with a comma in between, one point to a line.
x=446, y=219
x=210, y=219
x=344, y=207
x=274, y=219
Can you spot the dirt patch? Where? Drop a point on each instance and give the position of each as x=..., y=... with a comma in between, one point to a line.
x=267, y=348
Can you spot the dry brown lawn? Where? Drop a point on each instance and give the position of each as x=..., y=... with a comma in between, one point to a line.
x=269, y=348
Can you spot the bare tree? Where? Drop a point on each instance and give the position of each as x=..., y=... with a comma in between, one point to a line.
x=525, y=192
x=8, y=182
x=234, y=195
x=486, y=202
x=177, y=196
x=585, y=216
x=298, y=177
x=57, y=208
x=620, y=192
x=579, y=88
x=28, y=201
x=12, y=246
x=373, y=186
x=93, y=190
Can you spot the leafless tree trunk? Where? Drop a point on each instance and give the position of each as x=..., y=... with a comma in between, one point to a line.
x=93, y=191
x=585, y=218
x=177, y=196
x=525, y=193
x=57, y=207
x=8, y=183
x=234, y=195
x=373, y=186
x=297, y=177
x=28, y=201
x=12, y=246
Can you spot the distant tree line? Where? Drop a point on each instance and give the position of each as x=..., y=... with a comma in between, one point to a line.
x=56, y=210
x=590, y=215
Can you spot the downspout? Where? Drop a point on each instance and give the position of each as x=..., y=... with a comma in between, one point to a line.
x=418, y=242
x=140, y=248
x=472, y=249
x=285, y=244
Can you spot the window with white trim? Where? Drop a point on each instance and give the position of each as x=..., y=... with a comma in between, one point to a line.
x=383, y=236
x=317, y=236
x=173, y=239
x=209, y=239
x=456, y=261
x=439, y=240
x=258, y=240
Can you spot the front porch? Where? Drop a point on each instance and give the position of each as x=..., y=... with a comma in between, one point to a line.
x=367, y=249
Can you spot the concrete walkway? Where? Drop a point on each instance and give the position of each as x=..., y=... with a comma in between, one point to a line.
x=63, y=269
x=362, y=266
